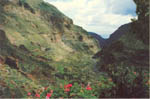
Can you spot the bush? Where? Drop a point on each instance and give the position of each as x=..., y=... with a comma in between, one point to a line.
x=74, y=90
x=130, y=81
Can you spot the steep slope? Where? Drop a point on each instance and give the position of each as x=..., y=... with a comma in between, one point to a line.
x=129, y=54
x=40, y=46
x=46, y=26
x=118, y=33
x=113, y=37
x=101, y=40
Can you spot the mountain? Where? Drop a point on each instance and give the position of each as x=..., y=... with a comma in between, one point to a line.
x=126, y=57
x=118, y=33
x=100, y=39
x=40, y=46
x=113, y=37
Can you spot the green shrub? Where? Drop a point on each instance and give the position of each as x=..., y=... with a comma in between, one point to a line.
x=129, y=81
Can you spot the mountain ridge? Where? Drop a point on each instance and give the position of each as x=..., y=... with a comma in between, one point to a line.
x=113, y=37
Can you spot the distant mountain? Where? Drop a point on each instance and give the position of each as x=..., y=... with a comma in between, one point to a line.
x=100, y=39
x=113, y=37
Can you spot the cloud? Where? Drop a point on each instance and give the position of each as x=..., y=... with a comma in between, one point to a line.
x=100, y=16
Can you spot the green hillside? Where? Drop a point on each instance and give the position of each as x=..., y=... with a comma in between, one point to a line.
x=39, y=47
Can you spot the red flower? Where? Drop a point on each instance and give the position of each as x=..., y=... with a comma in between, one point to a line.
x=88, y=88
x=51, y=91
x=134, y=73
x=67, y=90
x=65, y=86
x=29, y=93
x=68, y=86
x=45, y=88
x=49, y=94
x=47, y=97
x=37, y=95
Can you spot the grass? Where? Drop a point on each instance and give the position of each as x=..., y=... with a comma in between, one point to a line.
x=15, y=81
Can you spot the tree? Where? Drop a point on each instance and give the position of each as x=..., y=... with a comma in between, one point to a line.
x=142, y=9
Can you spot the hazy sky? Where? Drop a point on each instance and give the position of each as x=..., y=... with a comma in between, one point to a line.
x=99, y=16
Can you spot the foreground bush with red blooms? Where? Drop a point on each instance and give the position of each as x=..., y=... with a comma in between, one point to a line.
x=105, y=87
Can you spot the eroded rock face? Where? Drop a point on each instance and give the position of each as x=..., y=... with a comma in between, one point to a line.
x=3, y=39
x=2, y=90
x=1, y=60
x=2, y=36
x=22, y=47
x=12, y=62
x=26, y=6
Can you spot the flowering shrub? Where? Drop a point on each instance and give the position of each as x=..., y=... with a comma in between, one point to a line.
x=129, y=81
x=74, y=90
x=88, y=87
x=69, y=91
x=29, y=93
x=37, y=95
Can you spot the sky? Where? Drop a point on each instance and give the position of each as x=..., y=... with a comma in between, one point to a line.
x=100, y=16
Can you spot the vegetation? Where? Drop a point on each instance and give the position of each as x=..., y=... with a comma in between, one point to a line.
x=44, y=55
x=126, y=60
